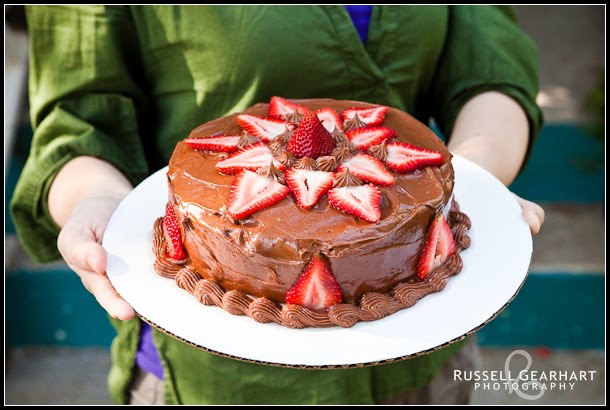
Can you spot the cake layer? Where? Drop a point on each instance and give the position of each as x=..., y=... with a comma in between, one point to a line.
x=264, y=254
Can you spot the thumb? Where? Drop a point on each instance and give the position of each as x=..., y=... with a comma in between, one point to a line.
x=79, y=247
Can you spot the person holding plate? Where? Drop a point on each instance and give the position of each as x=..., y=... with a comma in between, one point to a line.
x=114, y=88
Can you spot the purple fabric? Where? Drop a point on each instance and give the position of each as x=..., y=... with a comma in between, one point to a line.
x=361, y=17
x=147, y=357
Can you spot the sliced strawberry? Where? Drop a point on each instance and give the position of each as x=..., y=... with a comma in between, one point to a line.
x=280, y=107
x=439, y=246
x=308, y=186
x=171, y=232
x=361, y=201
x=219, y=143
x=366, y=137
x=369, y=169
x=403, y=157
x=370, y=116
x=330, y=119
x=264, y=128
x=251, y=157
x=252, y=192
x=316, y=288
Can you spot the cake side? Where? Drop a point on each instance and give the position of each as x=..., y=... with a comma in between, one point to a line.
x=372, y=305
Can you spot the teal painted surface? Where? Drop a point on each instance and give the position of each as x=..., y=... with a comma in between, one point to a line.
x=559, y=311
x=53, y=308
x=566, y=165
x=553, y=310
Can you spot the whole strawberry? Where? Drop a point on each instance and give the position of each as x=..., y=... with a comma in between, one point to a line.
x=311, y=139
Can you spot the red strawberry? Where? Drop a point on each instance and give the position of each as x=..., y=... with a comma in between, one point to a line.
x=439, y=246
x=250, y=157
x=219, y=143
x=369, y=116
x=403, y=157
x=171, y=232
x=366, y=137
x=308, y=186
x=311, y=139
x=252, y=192
x=264, y=128
x=279, y=107
x=369, y=169
x=361, y=201
x=330, y=119
x=316, y=288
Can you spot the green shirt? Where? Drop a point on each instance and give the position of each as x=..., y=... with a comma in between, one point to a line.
x=126, y=83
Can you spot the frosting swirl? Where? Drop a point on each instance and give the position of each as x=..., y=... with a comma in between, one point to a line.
x=307, y=163
x=272, y=172
x=346, y=178
x=337, y=135
x=294, y=117
x=246, y=139
x=343, y=153
x=353, y=123
x=287, y=158
x=327, y=163
x=344, y=142
x=277, y=146
x=379, y=151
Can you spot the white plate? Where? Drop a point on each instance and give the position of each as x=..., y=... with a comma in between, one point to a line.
x=495, y=266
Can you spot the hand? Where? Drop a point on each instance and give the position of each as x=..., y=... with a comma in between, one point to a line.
x=532, y=213
x=79, y=243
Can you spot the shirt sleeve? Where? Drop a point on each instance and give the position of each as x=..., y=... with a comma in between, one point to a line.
x=84, y=100
x=485, y=50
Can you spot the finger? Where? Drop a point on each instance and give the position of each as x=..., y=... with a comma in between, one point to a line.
x=532, y=219
x=540, y=212
x=79, y=248
x=106, y=296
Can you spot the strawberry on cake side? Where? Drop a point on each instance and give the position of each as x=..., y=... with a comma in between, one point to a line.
x=311, y=213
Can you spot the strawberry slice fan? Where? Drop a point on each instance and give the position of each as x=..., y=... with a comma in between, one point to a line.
x=348, y=156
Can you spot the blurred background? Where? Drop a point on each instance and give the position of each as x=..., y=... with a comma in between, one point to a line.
x=57, y=338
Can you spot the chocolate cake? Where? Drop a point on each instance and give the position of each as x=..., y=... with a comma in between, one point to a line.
x=311, y=213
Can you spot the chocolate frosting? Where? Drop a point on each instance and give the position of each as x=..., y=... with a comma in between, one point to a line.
x=277, y=241
x=287, y=158
x=371, y=306
x=277, y=146
x=307, y=163
x=346, y=178
x=272, y=172
x=338, y=135
x=327, y=163
x=294, y=117
x=344, y=142
x=247, y=139
x=343, y=153
x=353, y=123
x=379, y=151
